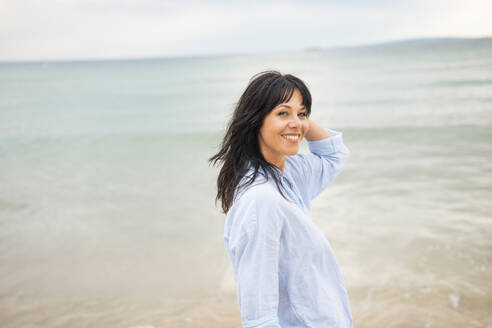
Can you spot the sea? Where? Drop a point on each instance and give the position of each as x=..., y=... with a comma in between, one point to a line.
x=107, y=200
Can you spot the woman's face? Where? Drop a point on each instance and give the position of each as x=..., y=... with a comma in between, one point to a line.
x=283, y=129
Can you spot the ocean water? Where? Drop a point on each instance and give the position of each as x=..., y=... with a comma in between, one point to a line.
x=107, y=213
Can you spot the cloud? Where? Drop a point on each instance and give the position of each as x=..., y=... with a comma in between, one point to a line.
x=72, y=29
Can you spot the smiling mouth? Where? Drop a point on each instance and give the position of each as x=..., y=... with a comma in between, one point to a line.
x=291, y=137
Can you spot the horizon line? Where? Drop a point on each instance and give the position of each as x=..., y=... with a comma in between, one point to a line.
x=212, y=55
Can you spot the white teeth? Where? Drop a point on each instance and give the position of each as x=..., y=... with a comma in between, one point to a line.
x=291, y=137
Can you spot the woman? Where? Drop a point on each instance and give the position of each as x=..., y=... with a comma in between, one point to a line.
x=285, y=270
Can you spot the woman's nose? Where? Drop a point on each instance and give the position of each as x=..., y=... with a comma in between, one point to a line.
x=294, y=122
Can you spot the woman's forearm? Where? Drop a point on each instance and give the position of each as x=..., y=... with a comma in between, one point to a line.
x=316, y=132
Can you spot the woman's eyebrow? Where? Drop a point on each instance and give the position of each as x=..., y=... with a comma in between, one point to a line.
x=285, y=105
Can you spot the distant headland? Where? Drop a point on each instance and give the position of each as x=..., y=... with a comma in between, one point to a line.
x=410, y=42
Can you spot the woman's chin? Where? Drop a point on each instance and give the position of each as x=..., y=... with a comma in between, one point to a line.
x=292, y=152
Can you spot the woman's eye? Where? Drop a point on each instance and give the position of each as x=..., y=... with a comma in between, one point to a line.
x=304, y=114
x=282, y=113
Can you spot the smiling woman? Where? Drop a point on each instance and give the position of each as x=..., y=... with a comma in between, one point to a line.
x=283, y=129
x=285, y=270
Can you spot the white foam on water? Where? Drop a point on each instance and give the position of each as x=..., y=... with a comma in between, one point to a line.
x=455, y=300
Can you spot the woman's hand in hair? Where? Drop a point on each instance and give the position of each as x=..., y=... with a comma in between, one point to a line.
x=316, y=132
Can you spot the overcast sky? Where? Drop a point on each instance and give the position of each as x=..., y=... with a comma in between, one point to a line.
x=91, y=29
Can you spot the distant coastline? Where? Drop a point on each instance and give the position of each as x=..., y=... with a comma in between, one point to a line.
x=408, y=42
x=416, y=42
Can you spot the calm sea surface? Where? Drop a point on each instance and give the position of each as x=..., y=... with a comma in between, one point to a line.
x=107, y=214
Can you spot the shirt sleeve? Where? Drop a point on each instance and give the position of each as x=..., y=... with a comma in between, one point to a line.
x=315, y=170
x=255, y=261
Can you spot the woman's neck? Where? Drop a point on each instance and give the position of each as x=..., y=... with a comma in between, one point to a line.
x=278, y=162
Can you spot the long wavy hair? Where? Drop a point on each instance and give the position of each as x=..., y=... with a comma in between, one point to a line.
x=239, y=149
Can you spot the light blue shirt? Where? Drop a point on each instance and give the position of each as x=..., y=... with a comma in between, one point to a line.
x=285, y=270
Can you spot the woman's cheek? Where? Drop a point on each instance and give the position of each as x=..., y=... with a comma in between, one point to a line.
x=306, y=127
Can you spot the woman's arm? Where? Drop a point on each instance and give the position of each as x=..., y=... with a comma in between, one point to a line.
x=255, y=259
x=313, y=171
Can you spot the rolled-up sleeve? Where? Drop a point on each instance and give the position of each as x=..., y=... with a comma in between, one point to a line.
x=255, y=260
x=324, y=162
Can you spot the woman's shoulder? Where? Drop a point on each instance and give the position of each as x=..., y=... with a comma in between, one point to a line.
x=262, y=196
x=259, y=206
x=260, y=192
